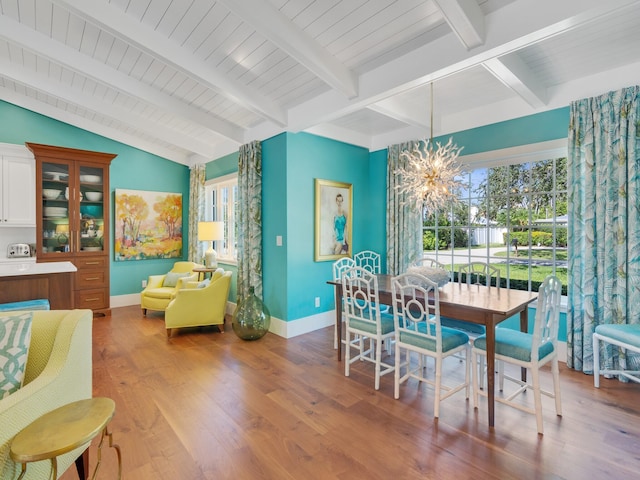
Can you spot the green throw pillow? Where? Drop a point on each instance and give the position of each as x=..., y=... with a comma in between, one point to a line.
x=171, y=278
x=15, y=336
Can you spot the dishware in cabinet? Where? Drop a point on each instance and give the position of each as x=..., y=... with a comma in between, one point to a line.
x=72, y=208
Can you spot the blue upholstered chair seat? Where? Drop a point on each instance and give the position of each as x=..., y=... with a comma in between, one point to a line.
x=629, y=334
x=451, y=338
x=472, y=328
x=386, y=322
x=514, y=344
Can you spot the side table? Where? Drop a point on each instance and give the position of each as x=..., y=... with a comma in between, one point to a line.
x=65, y=429
x=202, y=271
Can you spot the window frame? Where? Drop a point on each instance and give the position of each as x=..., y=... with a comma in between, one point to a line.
x=524, y=154
x=215, y=212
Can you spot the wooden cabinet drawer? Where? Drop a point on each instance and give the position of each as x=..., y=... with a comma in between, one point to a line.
x=90, y=279
x=84, y=263
x=94, y=299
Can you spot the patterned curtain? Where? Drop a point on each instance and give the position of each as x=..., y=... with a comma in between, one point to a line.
x=196, y=211
x=250, y=219
x=603, y=177
x=404, y=226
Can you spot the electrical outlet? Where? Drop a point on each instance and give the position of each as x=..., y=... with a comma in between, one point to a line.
x=144, y=284
x=317, y=302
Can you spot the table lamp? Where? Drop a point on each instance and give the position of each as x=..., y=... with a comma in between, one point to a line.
x=210, y=232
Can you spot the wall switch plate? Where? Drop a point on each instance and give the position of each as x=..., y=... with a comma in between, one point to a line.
x=144, y=284
x=278, y=240
x=317, y=302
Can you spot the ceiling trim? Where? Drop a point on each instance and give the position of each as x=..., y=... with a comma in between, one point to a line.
x=466, y=20
x=94, y=127
x=283, y=33
x=85, y=66
x=529, y=23
x=121, y=25
x=513, y=73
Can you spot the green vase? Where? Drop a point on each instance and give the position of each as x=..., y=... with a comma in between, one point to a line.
x=251, y=318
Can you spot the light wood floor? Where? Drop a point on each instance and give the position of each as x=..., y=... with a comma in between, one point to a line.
x=206, y=405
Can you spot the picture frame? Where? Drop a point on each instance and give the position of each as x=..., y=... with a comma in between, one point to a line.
x=147, y=225
x=334, y=220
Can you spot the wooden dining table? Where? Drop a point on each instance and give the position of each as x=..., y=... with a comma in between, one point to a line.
x=478, y=304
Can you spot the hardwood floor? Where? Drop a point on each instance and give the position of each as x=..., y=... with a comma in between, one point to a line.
x=206, y=405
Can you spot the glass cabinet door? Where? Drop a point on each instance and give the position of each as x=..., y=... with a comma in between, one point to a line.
x=56, y=210
x=91, y=201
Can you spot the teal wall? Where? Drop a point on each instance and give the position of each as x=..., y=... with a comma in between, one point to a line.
x=541, y=127
x=131, y=169
x=291, y=163
x=310, y=157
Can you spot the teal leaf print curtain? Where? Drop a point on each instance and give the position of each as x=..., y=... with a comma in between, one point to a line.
x=249, y=217
x=404, y=227
x=196, y=211
x=604, y=223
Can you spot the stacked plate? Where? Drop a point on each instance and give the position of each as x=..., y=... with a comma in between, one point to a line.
x=54, y=211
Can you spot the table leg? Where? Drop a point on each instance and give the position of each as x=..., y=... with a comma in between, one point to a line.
x=524, y=327
x=107, y=433
x=491, y=366
x=338, y=295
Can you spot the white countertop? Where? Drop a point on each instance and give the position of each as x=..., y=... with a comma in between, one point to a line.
x=17, y=268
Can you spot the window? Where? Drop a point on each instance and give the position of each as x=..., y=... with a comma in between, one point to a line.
x=512, y=215
x=221, y=204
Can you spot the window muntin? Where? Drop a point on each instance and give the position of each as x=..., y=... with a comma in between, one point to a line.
x=524, y=203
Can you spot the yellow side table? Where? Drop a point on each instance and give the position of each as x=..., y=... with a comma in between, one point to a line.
x=64, y=429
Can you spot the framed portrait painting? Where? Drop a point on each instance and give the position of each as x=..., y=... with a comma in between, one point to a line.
x=334, y=212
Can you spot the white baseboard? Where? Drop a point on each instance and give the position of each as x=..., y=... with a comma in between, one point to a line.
x=293, y=328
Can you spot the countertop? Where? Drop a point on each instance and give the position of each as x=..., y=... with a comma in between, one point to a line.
x=15, y=267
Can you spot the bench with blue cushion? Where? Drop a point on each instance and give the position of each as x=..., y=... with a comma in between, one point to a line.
x=625, y=336
x=38, y=304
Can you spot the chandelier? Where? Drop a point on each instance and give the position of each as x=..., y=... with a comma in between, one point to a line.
x=429, y=177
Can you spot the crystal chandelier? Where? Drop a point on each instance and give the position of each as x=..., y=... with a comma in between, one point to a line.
x=429, y=177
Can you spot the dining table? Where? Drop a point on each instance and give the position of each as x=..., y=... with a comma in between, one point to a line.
x=477, y=304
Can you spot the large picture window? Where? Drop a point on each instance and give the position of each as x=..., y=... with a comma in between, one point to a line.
x=513, y=216
x=221, y=205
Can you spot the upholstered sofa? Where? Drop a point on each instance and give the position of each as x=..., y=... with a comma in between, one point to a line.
x=199, y=303
x=58, y=371
x=159, y=292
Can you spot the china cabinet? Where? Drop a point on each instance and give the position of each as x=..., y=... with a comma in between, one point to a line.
x=72, y=211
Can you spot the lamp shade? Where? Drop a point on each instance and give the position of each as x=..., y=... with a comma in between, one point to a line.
x=210, y=231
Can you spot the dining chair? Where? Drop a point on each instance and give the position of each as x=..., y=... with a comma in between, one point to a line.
x=364, y=318
x=339, y=267
x=369, y=260
x=474, y=273
x=477, y=273
x=625, y=337
x=528, y=350
x=416, y=308
x=428, y=262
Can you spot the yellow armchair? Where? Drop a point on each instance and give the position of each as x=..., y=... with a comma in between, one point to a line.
x=157, y=294
x=58, y=371
x=199, y=305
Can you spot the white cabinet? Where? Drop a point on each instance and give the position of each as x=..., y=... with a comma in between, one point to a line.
x=18, y=182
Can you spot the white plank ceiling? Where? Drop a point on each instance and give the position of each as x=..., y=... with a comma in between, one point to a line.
x=192, y=80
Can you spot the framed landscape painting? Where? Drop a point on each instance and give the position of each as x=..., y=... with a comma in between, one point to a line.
x=334, y=214
x=147, y=225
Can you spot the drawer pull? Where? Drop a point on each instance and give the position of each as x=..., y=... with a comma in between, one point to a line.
x=92, y=263
x=91, y=299
x=88, y=279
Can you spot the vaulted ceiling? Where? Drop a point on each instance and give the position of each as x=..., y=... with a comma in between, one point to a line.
x=191, y=80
